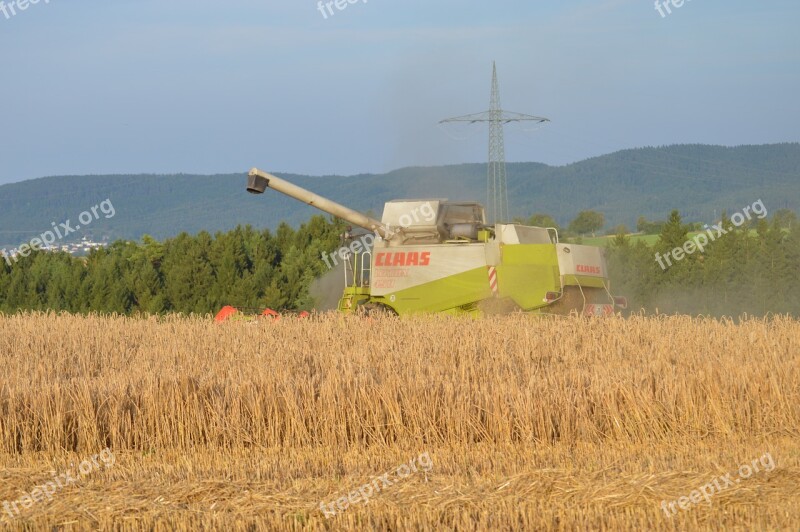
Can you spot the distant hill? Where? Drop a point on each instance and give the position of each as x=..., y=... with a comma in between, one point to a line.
x=698, y=180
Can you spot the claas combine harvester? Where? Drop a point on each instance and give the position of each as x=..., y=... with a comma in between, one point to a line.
x=453, y=262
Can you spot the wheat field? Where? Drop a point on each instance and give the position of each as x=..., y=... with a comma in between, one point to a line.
x=525, y=423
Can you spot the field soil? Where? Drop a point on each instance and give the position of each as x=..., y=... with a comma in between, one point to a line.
x=506, y=423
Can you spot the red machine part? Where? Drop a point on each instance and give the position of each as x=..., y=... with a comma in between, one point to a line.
x=229, y=312
x=225, y=313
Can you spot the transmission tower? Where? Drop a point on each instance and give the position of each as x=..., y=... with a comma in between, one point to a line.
x=496, y=187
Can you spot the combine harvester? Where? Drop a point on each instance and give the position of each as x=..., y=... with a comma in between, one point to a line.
x=455, y=263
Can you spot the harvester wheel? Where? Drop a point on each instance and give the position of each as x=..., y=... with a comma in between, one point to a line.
x=376, y=309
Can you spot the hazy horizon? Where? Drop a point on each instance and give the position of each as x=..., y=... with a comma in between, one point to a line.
x=390, y=170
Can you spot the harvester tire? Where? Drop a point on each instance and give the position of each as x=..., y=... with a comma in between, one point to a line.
x=376, y=309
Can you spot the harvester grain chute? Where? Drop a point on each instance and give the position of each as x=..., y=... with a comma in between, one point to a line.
x=438, y=256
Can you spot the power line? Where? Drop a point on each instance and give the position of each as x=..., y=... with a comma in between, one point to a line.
x=496, y=184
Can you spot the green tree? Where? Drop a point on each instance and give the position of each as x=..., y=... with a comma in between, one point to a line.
x=587, y=222
x=543, y=220
x=670, y=257
x=620, y=229
x=641, y=224
x=784, y=218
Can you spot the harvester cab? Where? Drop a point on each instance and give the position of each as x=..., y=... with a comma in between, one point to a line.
x=438, y=256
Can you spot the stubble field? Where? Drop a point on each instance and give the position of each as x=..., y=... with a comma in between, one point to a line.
x=505, y=423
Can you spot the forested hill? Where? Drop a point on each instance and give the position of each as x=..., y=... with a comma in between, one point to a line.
x=699, y=180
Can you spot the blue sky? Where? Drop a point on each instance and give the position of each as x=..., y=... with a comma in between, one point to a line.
x=144, y=86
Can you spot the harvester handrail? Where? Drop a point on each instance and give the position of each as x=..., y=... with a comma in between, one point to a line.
x=555, y=232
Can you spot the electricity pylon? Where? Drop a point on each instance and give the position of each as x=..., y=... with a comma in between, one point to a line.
x=496, y=187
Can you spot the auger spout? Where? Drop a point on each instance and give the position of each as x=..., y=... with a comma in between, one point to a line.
x=258, y=181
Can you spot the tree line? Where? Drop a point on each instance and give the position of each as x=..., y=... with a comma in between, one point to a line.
x=185, y=274
x=751, y=269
